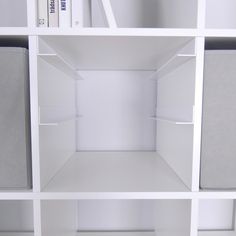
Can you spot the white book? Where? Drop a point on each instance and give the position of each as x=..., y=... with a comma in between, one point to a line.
x=65, y=13
x=53, y=13
x=42, y=13
x=77, y=13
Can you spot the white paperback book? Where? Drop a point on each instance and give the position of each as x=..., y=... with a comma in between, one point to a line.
x=65, y=13
x=77, y=13
x=53, y=13
x=42, y=13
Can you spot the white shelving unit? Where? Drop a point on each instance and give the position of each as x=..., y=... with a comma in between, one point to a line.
x=116, y=121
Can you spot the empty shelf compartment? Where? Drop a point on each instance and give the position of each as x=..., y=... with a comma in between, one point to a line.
x=116, y=217
x=16, y=218
x=96, y=134
x=216, y=217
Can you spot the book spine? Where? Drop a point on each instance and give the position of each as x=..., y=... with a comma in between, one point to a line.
x=53, y=13
x=42, y=13
x=77, y=13
x=65, y=13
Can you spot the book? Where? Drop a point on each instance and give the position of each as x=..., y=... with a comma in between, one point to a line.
x=77, y=13
x=65, y=13
x=42, y=13
x=53, y=13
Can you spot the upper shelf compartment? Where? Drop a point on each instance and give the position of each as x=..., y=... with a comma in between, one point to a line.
x=13, y=13
x=119, y=14
x=155, y=13
x=220, y=14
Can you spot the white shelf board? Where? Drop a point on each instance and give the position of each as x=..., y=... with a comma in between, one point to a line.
x=14, y=31
x=136, y=195
x=115, y=172
x=172, y=32
x=116, y=52
x=219, y=32
x=216, y=233
x=60, y=64
x=176, y=122
x=116, y=195
x=115, y=234
x=16, y=195
x=118, y=31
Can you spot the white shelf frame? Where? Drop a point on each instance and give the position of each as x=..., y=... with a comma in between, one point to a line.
x=200, y=33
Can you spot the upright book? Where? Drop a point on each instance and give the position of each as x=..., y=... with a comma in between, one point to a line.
x=42, y=13
x=53, y=13
x=77, y=13
x=65, y=13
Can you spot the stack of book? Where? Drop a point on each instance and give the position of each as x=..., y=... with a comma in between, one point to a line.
x=60, y=13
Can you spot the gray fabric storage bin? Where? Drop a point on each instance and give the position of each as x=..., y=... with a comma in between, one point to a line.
x=218, y=153
x=15, y=157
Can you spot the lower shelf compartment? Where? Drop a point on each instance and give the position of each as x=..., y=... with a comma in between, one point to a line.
x=16, y=218
x=115, y=172
x=116, y=217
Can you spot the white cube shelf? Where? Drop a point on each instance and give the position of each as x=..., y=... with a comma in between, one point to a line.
x=116, y=117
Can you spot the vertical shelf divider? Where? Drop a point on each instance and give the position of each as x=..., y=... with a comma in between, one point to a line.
x=33, y=43
x=197, y=116
x=31, y=13
x=194, y=217
x=37, y=217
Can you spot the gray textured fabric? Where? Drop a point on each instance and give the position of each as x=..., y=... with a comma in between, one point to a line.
x=15, y=155
x=218, y=153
